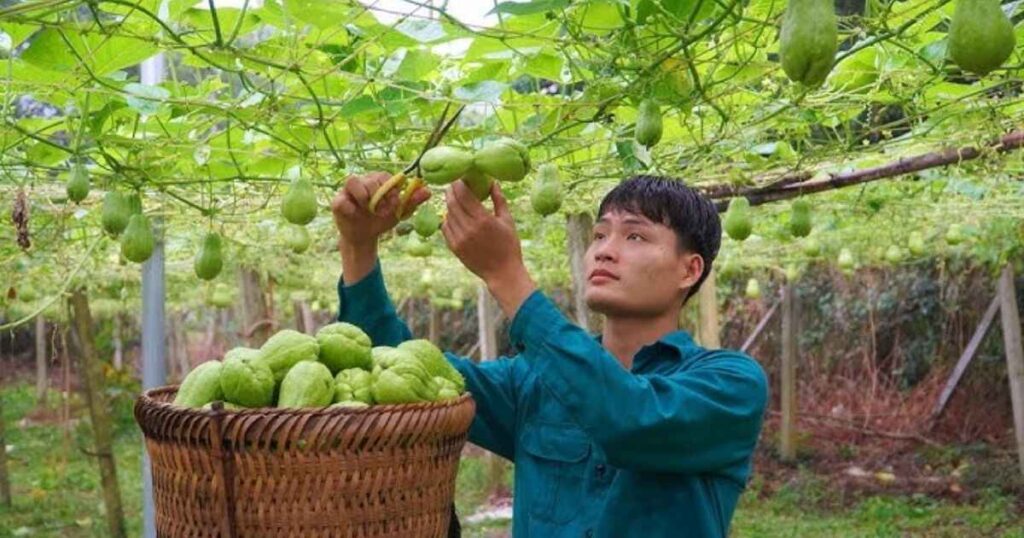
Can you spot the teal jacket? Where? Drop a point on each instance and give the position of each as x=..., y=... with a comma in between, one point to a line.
x=663, y=449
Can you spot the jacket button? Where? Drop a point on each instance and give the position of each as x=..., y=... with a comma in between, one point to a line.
x=600, y=469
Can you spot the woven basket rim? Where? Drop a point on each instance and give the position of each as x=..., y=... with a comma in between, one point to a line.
x=147, y=398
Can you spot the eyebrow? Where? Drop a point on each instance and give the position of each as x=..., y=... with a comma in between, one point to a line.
x=627, y=220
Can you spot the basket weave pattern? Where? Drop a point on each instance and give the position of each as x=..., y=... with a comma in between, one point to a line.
x=386, y=470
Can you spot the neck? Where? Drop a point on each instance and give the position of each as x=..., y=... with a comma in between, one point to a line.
x=623, y=337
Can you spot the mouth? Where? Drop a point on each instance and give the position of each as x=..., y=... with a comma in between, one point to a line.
x=599, y=274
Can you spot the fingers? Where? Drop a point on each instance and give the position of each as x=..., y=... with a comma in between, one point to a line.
x=346, y=207
x=500, y=204
x=466, y=200
x=375, y=179
x=456, y=218
x=357, y=190
x=361, y=188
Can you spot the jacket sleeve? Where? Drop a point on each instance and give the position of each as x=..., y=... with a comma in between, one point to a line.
x=703, y=419
x=493, y=386
x=367, y=305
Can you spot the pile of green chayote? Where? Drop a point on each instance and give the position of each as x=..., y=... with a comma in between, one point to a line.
x=337, y=367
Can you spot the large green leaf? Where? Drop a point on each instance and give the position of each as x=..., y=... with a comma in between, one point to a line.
x=56, y=49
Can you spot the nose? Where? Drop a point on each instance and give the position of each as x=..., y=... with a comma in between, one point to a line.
x=603, y=251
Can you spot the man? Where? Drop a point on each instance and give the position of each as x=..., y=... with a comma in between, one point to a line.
x=635, y=432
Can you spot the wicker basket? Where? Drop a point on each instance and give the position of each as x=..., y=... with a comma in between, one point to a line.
x=386, y=470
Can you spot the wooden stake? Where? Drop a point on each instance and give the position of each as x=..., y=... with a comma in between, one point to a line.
x=434, y=329
x=760, y=327
x=99, y=411
x=965, y=359
x=707, y=297
x=1014, y=354
x=256, y=322
x=42, y=380
x=787, y=443
x=5, y=481
x=578, y=230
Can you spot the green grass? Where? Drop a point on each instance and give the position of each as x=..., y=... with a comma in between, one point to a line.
x=57, y=492
x=787, y=514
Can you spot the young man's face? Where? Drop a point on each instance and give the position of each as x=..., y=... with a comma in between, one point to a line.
x=635, y=268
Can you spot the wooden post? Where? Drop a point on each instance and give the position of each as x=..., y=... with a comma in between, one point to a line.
x=118, y=343
x=579, y=227
x=42, y=381
x=434, y=329
x=307, y=318
x=760, y=326
x=173, y=367
x=300, y=325
x=99, y=411
x=787, y=442
x=256, y=323
x=1014, y=354
x=304, y=322
x=5, y=481
x=487, y=312
x=181, y=345
x=688, y=315
x=708, y=329
x=965, y=359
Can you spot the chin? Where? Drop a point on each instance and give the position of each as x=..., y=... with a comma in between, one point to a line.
x=609, y=304
x=606, y=303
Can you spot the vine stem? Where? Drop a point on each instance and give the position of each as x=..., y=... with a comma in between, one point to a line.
x=63, y=290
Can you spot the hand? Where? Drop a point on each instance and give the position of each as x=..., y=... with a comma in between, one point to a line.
x=487, y=244
x=357, y=226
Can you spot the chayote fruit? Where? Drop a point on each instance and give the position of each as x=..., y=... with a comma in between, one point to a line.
x=353, y=384
x=441, y=165
x=406, y=381
x=808, y=41
x=800, y=219
x=426, y=221
x=434, y=361
x=245, y=380
x=137, y=241
x=299, y=203
x=201, y=386
x=981, y=36
x=115, y=213
x=297, y=238
x=285, y=349
x=753, y=289
x=478, y=182
x=209, y=260
x=343, y=346
x=446, y=389
x=78, y=183
x=307, y=384
x=546, y=195
x=737, y=220
x=417, y=247
x=504, y=159
x=648, y=123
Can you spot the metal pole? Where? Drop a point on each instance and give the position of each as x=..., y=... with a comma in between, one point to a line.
x=154, y=340
x=154, y=362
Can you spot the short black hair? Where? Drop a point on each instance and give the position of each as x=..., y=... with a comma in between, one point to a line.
x=670, y=202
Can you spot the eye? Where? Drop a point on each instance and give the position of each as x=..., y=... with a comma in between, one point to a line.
x=598, y=235
x=635, y=237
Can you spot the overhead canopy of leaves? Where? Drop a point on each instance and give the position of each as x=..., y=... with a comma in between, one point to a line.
x=257, y=95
